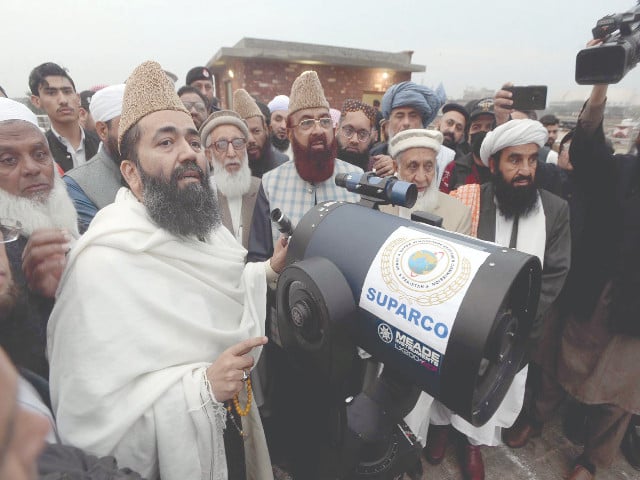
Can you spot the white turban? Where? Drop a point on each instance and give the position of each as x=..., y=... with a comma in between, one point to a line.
x=106, y=104
x=279, y=102
x=12, y=110
x=511, y=134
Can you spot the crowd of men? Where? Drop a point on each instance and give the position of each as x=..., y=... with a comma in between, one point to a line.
x=138, y=262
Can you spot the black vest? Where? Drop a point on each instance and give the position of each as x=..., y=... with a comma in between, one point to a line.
x=63, y=157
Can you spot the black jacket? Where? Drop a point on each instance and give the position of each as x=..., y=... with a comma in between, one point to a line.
x=63, y=157
x=611, y=234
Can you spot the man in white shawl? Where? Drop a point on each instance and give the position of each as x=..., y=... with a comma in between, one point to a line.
x=515, y=213
x=158, y=321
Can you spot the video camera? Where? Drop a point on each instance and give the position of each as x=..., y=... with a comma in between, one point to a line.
x=611, y=61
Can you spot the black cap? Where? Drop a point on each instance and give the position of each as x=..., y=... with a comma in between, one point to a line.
x=198, y=73
x=85, y=99
x=480, y=107
x=456, y=107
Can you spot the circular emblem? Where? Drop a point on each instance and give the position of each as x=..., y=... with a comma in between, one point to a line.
x=385, y=333
x=422, y=262
x=426, y=270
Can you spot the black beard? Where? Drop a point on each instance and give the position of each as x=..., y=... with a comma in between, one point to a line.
x=513, y=200
x=281, y=145
x=189, y=211
x=448, y=142
x=358, y=159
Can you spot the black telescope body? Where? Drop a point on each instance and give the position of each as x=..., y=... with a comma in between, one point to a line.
x=610, y=61
x=327, y=296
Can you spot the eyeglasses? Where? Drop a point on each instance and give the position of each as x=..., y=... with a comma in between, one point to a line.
x=363, y=135
x=199, y=106
x=10, y=230
x=309, y=123
x=237, y=143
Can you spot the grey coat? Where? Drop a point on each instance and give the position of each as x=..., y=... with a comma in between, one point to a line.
x=248, y=206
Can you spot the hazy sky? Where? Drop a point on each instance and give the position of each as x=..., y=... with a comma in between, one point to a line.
x=462, y=42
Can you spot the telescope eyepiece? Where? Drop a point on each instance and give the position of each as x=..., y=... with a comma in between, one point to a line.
x=383, y=189
x=283, y=222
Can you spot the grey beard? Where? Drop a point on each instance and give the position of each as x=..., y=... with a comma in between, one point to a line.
x=184, y=212
x=53, y=211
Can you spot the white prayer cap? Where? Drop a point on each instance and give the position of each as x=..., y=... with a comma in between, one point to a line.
x=106, y=103
x=414, y=138
x=511, y=134
x=279, y=102
x=12, y=110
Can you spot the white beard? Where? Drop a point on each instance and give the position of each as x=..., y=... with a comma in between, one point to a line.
x=427, y=201
x=232, y=185
x=56, y=211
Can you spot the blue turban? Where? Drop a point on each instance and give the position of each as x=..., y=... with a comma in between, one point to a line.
x=410, y=94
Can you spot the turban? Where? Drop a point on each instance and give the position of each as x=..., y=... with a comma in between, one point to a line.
x=307, y=92
x=415, y=138
x=245, y=105
x=410, y=94
x=279, y=102
x=12, y=110
x=511, y=134
x=222, y=117
x=106, y=103
x=351, y=105
x=148, y=90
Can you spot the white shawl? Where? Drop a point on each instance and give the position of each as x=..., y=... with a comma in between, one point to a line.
x=139, y=315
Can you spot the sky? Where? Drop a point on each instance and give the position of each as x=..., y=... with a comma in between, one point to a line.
x=463, y=43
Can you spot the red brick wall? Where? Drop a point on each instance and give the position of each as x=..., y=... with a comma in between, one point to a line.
x=264, y=79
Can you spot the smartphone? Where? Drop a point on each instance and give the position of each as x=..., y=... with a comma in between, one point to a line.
x=532, y=97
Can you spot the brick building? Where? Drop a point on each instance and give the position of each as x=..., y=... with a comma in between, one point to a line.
x=266, y=68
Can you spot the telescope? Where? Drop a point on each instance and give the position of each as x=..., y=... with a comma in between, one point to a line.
x=375, y=191
x=610, y=61
x=443, y=313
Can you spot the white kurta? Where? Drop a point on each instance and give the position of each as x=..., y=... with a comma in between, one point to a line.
x=140, y=314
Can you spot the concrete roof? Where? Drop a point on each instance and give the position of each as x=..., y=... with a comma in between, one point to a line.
x=311, y=54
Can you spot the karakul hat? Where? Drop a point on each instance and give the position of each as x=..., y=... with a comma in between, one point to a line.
x=245, y=105
x=307, y=92
x=148, y=90
x=415, y=138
